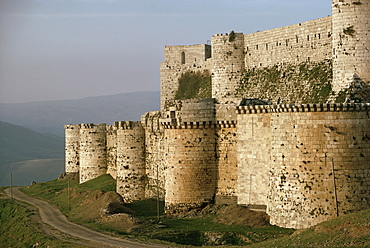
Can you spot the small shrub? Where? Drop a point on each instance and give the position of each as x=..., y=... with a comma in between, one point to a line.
x=232, y=36
x=349, y=31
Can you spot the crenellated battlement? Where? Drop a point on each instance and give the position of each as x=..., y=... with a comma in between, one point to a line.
x=280, y=122
x=128, y=125
x=197, y=124
x=189, y=125
x=75, y=126
x=322, y=107
x=92, y=126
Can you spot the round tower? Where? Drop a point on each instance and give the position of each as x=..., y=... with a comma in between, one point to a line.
x=227, y=64
x=191, y=166
x=131, y=161
x=351, y=42
x=72, y=148
x=191, y=154
x=93, y=151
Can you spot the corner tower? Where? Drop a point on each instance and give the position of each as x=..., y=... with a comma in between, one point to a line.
x=351, y=44
x=72, y=148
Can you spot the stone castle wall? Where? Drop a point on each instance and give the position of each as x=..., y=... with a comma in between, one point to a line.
x=155, y=154
x=254, y=155
x=226, y=151
x=304, y=42
x=178, y=60
x=303, y=163
x=112, y=150
x=310, y=164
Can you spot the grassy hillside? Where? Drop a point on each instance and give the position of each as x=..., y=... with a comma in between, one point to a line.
x=20, y=144
x=18, y=228
x=139, y=219
x=352, y=230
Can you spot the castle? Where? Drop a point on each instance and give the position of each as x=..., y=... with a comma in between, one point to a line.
x=276, y=120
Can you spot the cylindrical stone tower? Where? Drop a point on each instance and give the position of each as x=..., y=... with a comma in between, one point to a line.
x=72, y=148
x=191, y=171
x=131, y=161
x=227, y=64
x=351, y=43
x=93, y=151
x=191, y=160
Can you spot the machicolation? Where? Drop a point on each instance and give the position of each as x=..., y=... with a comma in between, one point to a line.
x=276, y=120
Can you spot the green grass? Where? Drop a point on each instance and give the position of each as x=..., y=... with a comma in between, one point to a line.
x=146, y=208
x=194, y=232
x=352, y=230
x=307, y=82
x=349, y=230
x=56, y=191
x=18, y=230
x=180, y=231
x=194, y=85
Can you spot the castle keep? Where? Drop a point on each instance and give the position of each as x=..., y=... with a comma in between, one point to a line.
x=276, y=120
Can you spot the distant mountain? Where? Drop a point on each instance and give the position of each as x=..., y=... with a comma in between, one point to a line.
x=50, y=116
x=19, y=145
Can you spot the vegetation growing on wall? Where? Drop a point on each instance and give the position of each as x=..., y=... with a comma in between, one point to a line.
x=308, y=82
x=232, y=36
x=194, y=85
x=357, y=92
x=349, y=31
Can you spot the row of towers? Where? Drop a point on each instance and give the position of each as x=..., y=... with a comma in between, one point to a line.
x=94, y=150
x=286, y=159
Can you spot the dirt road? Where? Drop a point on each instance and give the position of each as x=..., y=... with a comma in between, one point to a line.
x=52, y=216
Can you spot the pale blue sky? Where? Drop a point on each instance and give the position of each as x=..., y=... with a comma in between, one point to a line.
x=68, y=49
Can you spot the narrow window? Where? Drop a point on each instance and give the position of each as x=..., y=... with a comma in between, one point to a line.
x=183, y=58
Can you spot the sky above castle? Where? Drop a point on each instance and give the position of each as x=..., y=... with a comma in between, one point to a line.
x=69, y=49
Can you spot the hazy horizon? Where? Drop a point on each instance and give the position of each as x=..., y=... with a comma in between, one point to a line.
x=81, y=98
x=57, y=50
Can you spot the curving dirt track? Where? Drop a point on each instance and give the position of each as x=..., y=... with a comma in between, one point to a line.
x=53, y=217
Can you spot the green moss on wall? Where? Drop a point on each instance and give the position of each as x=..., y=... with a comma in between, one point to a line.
x=194, y=85
x=308, y=82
